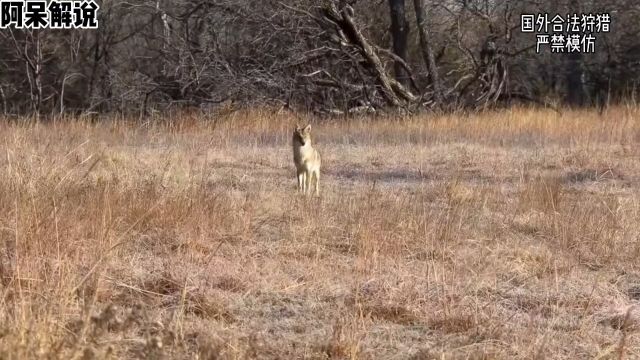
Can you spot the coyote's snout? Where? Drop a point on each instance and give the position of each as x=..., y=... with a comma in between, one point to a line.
x=306, y=159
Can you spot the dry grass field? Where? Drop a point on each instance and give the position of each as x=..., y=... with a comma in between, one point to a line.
x=504, y=235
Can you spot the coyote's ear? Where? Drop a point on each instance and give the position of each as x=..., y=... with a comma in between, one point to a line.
x=307, y=128
x=297, y=127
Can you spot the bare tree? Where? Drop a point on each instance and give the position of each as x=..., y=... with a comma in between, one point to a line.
x=400, y=35
x=331, y=56
x=427, y=50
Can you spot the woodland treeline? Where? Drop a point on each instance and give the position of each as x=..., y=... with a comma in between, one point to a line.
x=327, y=56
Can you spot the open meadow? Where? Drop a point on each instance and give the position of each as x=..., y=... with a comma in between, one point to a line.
x=512, y=234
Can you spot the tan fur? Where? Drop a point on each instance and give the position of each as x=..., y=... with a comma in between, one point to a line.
x=306, y=160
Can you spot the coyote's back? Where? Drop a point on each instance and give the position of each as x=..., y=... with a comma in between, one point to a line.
x=306, y=159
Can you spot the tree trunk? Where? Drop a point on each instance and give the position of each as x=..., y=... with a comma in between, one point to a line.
x=427, y=52
x=575, y=73
x=37, y=73
x=575, y=80
x=399, y=34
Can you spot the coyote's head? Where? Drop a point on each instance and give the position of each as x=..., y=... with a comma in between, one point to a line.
x=302, y=135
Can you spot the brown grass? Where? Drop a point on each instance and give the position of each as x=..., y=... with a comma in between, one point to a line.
x=511, y=234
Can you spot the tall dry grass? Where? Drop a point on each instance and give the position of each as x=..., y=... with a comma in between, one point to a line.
x=508, y=234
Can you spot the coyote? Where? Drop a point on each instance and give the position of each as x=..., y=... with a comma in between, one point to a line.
x=306, y=159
